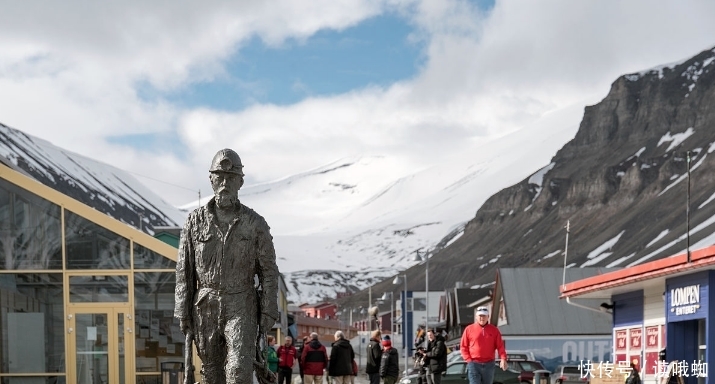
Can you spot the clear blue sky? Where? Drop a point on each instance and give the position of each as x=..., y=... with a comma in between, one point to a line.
x=377, y=51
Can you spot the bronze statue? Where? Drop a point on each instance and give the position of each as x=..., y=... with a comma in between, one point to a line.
x=220, y=304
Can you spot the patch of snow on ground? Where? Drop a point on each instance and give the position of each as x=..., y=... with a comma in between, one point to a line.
x=675, y=139
x=660, y=236
x=552, y=254
x=708, y=240
x=620, y=260
x=711, y=198
x=537, y=179
x=600, y=253
x=637, y=154
x=684, y=176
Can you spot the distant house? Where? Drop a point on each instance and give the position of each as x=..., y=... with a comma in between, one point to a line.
x=322, y=310
x=323, y=327
x=169, y=235
x=457, y=313
x=532, y=318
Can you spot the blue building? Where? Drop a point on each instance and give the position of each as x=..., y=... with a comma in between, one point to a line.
x=661, y=314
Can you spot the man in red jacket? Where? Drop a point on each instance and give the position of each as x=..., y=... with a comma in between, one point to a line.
x=479, y=342
x=314, y=360
x=286, y=359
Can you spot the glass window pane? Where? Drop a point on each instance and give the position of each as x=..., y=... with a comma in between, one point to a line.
x=120, y=342
x=419, y=304
x=99, y=289
x=154, y=304
x=34, y=380
x=32, y=318
x=30, y=230
x=92, y=341
x=91, y=246
x=147, y=259
x=153, y=379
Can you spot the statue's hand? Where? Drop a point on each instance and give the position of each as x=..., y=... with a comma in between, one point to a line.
x=185, y=325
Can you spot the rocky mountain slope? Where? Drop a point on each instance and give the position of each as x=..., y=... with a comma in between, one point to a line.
x=621, y=183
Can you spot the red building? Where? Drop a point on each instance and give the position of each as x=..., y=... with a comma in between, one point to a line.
x=320, y=310
x=323, y=327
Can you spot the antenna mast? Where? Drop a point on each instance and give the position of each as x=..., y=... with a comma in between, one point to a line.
x=687, y=211
x=566, y=250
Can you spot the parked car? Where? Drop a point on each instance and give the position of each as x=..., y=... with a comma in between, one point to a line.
x=568, y=374
x=526, y=369
x=454, y=356
x=517, y=362
x=456, y=373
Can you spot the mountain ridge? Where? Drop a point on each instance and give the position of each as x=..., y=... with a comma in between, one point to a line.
x=615, y=170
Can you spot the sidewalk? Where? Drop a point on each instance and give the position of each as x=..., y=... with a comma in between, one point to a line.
x=359, y=379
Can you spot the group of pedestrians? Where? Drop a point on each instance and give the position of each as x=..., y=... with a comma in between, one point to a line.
x=313, y=360
x=479, y=342
x=382, y=360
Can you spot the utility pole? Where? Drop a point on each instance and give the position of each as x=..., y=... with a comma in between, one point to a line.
x=566, y=250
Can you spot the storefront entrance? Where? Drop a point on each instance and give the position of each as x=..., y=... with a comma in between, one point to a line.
x=99, y=339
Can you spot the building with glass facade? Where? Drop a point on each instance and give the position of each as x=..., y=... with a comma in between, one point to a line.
x=84, y=298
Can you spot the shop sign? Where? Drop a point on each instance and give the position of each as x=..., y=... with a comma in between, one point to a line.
x=621, y=337
x=636, y=337
x=685, y=300
x=652, y=335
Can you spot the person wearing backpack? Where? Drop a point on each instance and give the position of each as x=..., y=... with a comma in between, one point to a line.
x=314, y=360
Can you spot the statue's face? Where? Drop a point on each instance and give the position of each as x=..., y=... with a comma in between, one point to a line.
x=225, y=186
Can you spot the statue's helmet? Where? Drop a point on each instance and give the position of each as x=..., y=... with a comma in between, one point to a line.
x=227, y=160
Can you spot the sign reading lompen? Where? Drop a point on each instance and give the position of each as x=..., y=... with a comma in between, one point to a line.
x=685, y=300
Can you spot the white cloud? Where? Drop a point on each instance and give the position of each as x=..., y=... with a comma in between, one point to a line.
x=71, y=75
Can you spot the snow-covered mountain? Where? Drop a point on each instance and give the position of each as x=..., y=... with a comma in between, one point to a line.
x=337, y=228
x=355, y=222
x=99, y=185
x=363, y=221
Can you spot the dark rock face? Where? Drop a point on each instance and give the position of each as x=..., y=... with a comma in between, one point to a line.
x=623, y=178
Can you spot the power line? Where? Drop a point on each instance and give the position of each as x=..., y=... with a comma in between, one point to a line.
x=161, y=181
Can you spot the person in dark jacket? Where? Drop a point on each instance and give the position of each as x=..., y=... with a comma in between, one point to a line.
x=374, y=358
x=300, y=353
x=340, y=366
x=435, y=357
x=314, y=360
x=633, y=377
x=390, y=365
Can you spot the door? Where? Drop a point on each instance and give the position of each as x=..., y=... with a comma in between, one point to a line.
x=98, y=338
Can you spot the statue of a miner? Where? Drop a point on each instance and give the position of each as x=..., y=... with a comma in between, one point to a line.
x=223, y=246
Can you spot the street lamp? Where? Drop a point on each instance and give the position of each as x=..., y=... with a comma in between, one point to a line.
x=363, y=311
x=392, y=320
x=426, y=260
x=398, y=279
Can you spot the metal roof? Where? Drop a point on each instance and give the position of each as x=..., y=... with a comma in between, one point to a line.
x=532, y=304
x=641, y=276
x=464, y=297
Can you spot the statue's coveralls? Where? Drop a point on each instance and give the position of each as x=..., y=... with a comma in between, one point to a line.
x=215, y=289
